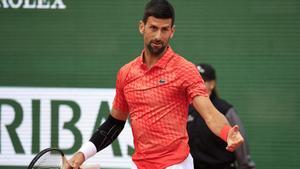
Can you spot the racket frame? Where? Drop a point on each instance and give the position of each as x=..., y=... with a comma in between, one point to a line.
x=41, y=153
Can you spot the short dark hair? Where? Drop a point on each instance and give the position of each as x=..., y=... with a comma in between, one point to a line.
x=159, y=9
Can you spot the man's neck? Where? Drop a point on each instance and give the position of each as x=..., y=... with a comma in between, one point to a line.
x=149, y=59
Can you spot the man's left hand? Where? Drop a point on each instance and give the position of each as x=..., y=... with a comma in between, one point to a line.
x=234, y=139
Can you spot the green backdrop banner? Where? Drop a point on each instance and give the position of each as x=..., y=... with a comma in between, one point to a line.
x=254, y=46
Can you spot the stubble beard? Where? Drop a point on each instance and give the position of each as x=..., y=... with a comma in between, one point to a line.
x=156, y=51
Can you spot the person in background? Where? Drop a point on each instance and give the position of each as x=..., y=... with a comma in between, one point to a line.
x=208, y=150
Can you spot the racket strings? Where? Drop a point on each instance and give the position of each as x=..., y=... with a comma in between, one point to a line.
x=49, y=160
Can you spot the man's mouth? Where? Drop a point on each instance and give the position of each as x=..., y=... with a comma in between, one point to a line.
x=156, y=44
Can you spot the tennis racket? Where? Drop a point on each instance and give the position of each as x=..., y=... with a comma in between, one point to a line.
x=49, y=158
x=53, y=158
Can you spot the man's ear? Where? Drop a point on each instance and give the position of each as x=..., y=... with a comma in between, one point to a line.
x=213, y=84
x=141, y=27
x=173, y=31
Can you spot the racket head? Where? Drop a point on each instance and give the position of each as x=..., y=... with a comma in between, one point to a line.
x=51, y=158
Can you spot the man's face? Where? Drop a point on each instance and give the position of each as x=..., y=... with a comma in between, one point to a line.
x=157, y=33
x=210, y=85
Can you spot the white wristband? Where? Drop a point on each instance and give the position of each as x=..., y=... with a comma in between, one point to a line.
x=88, y=149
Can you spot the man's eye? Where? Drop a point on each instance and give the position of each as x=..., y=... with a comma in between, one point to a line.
x=153, y=28
x=165, y=29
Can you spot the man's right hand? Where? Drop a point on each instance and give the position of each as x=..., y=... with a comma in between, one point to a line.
x=76, y=161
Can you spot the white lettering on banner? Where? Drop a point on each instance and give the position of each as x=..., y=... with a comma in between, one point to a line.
x=28, y=5
x=33, y=4
x=32, y=119
x=13, y=4
x=43, y=4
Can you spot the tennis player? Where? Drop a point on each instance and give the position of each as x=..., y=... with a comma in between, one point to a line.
x=154, y=91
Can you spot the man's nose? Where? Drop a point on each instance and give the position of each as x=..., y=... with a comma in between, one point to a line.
x=157, y=35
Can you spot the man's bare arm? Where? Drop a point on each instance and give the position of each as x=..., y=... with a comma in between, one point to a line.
x=218, y=123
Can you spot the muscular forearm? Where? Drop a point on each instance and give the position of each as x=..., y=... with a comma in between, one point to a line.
x=105, y=134
x=212, y=117
x=217, y=123
x=103, y=137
